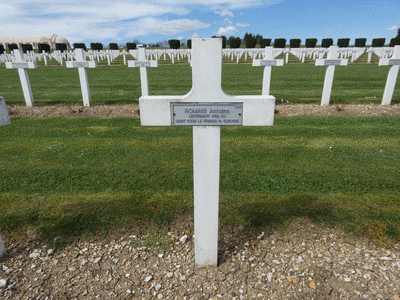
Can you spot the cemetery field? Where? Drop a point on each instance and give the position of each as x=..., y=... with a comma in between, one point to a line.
x=77, y=176
x=356, y=83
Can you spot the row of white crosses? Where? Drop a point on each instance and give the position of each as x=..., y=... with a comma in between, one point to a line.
x=81, y=63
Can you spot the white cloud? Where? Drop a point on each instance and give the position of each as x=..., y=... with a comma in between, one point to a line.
x=224, y=12
x=117, y=20
x=393, y=28
x=243, y=25
x=151, y=25
x=227, y=31
x=195, y=35
x=227, y=22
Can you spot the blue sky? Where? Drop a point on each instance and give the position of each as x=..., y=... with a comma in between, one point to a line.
x=152, y=21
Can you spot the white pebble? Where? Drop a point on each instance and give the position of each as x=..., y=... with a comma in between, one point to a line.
x=183, y=239
x=3, y=283
x=34, y=255
x=148, y=278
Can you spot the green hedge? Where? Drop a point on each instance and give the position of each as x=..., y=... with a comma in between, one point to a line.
x=131, y=46
x=96, y=46
x=394, y=41
x=280, y=43
x=265, y=43
x=79, y=46
x=360, y=42
x=189, y=44
x=61, y=47
x=326, y=43
x=378, y=42
x=2, y=50
x=44, y=47
x=12, y=47
x=113, y=46
x=235, y=42
x=343, y=43
x=26, y=47
x=224, y=41
x=174, y=44
x=295, y=43
x=311, y=43
x=250, y=40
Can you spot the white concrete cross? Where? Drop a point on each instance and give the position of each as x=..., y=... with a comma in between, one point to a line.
x=268, y=62
x=331, y=61
x=81, y=63
x=124, y=54
x=4, y=118
x=394, y=64
x=208, y=107
x=20, y=64
x=143, y=64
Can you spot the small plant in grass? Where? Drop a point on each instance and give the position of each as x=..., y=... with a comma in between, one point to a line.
x=155, y=238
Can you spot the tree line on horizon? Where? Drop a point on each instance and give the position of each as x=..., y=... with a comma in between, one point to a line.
x=249, y=41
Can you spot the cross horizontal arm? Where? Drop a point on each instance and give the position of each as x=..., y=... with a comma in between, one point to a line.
x=257, y=110
x=21, y=65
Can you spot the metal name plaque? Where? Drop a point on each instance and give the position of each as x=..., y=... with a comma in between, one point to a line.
x=142, y=64
x=268, y=63
x=80, y=64
x=394, y=62
x=332, y=62
x=20, y=65
x=207, y=114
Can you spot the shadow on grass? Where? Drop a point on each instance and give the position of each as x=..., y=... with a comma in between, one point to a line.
x=66, y=217
x=262, y=212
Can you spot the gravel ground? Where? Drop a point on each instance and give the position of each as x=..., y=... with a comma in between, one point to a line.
x=132, y=110
x=300, y=260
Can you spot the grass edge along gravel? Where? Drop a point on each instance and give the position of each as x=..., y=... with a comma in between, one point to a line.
x=372, y=210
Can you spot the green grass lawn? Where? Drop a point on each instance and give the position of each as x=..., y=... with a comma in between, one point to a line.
x=69, y=176
x=356, y=83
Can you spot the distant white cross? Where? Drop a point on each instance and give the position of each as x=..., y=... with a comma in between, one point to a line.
x=4, y=118
x=206, y=107
x=143, y=64
x=268, y=62
x=394, y=64
x=22, y=66
x=331, y=61
x=81, y=63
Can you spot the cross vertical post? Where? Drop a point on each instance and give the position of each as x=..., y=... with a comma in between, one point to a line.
x=394, y=64
x=20, y=64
